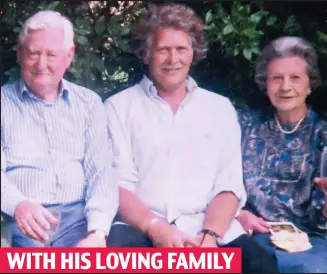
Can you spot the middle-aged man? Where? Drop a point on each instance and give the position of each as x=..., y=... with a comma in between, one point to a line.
x=55, y=150
x=178, y=148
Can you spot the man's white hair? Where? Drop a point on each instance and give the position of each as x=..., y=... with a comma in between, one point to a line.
x=49, y=19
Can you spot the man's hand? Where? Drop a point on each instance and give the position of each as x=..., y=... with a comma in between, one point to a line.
x=165, y=235
x=252, y=223
x=92, y=240
x=208, y=241
x=322, y=182
x=34, y=220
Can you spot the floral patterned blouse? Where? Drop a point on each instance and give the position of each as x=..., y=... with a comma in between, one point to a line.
x=279, y=168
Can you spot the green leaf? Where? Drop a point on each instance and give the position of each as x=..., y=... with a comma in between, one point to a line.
x=81, y=39
x=218, y=36
x=100, y=25
x=271, y=20
x=17, y=29
x=252, y=33
x=257, y=16
x=291, y=21
x=291, y=26
x=247, y=53
x=228, y=29
x=219, y=11
x=229, y=52
x=247, y=9
x=82, y=31
x=255, y=50
x=322, y=51
x=236, y=51
x=98, y=63
x=226, y=20
x=83, y=23
x=52, y=5
x=124, y=30
x=322, y=36
x=115, y=21
x=82, y=8
x=208, y=17
x=124, y=45
x=210, y=27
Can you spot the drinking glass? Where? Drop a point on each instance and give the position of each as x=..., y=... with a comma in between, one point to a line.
x=53, y=227
x=323, y=174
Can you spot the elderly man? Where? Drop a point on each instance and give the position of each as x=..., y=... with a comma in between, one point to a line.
x=178, y=148
x=55, y=151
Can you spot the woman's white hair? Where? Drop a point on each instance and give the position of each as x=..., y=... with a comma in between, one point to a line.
x=49, y=19
x=284, y=47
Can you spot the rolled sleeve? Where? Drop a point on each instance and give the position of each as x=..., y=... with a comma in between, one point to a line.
x=128, y=175
x=230, y=174
x=100, y=173
x=97, y=220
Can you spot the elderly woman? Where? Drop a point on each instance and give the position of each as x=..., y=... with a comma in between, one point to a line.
x=281, y=154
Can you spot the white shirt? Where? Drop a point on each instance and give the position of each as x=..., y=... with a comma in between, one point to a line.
x=176, y=164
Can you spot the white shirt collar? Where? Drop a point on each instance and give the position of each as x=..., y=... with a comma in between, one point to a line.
x=150, y=90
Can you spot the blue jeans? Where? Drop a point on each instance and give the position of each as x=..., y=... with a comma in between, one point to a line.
x=72, y=228
x=6, y=234
x=313, y=260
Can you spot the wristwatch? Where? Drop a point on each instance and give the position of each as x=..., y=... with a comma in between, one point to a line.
x=212, y=233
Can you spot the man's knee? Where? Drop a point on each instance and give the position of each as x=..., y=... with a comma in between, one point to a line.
x=255, y=258
x=260, y=260
x=264, y=241
x=126, y=236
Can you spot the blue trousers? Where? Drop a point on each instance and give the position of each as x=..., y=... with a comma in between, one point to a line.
x=72, y=228
x=313, y=260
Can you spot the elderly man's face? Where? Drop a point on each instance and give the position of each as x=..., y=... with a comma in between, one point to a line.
x=169, y=57
x=44, y=59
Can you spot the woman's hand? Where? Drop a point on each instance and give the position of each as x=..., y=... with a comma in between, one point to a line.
x=252, y=223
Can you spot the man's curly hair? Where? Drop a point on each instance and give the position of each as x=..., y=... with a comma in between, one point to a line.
x=174, y=16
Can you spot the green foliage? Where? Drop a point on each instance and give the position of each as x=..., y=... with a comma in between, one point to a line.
x=236, y=31
x=103, y=59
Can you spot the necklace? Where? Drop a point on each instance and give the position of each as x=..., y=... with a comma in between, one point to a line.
x=288, y=131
